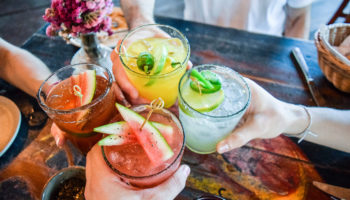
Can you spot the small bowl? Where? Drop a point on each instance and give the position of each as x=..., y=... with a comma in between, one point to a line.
x=53, y=184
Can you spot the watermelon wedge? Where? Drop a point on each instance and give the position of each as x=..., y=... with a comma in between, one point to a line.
x=85, y=84
x=166, y=130
x=112, y=140
x=116, y=128
x=122, y=129
x=149, y=137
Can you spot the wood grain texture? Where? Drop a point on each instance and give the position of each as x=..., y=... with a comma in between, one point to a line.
x=263, y=169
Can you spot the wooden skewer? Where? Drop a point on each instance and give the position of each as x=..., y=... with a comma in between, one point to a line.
x=156, y=104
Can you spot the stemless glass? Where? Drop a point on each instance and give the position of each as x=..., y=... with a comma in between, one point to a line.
x=78, y=123
x=204, y=130
x=162, y=85
x=131, y=164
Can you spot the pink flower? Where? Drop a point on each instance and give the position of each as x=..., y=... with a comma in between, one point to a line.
x=50, y=31
x=90, y=4
x=78, y=16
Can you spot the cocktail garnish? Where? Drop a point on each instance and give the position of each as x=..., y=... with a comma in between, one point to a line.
x=156, y=104
x=145, y=62
x=199, y=86
x=77, y=92
x=204, y=82
x=160, y=54
x=174, y=64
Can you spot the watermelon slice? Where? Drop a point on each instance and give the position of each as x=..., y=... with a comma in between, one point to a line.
x=122, y=129
x=166, y=130
x=112, y=140
x=85, y=84
x=149, y=137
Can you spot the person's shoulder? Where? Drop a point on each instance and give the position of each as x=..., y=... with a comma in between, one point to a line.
x=299, y=3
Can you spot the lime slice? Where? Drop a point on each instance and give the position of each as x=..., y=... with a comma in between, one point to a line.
x=202, y=102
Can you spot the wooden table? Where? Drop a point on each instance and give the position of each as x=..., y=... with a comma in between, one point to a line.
x=263, y=169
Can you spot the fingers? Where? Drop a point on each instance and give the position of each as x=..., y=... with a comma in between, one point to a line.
x=189, y=65
x=58, y=135
x=239, y=137
x=121, y=77
x=119, y=95
x=173, y=186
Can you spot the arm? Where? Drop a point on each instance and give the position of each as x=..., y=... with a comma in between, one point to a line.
x=268, y=117
x=138, y=12
x=332, y=127
x=21, y=68
x=298, y=22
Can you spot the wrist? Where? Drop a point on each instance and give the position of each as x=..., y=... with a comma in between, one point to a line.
x=298, y=119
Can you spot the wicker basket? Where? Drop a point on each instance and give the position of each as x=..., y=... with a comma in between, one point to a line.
x=334, y=65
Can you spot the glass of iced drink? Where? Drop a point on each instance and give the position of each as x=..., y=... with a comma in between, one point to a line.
x=212, y=100
x=143, y=157
x=154, y=58
x=79, y=98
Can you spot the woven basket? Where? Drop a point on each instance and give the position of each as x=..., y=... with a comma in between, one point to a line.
x=334, y=65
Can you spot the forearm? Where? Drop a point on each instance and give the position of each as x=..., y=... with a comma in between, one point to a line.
x=332, y=126
x=138, y=12
x=21, y=68
x=298, y=22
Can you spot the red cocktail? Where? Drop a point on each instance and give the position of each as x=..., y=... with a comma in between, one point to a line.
x=79, y=98
x=132, y=161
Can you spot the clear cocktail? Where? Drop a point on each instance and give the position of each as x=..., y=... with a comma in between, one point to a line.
x=212, y=100
x=79, y=98
x=138, y=157
x=154, y=58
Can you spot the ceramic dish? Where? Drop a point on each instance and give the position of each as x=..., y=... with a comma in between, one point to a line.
x=10, y=121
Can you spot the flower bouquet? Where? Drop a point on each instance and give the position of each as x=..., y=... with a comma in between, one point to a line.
x=82, y=18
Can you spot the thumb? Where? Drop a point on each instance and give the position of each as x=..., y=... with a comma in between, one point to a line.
x=239, y=137
x=173, y=186
x=58, y=135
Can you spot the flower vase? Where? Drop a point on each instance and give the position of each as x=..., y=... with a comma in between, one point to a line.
x=92, y=51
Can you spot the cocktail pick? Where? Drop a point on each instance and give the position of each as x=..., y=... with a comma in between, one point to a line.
x=77, y=92
x=198, y=85
x=156, y=104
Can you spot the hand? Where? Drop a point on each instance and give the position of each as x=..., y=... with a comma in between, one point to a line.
x=102, y=183
x=266, y=117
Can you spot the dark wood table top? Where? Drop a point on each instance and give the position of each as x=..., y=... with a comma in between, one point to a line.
x=262, y=169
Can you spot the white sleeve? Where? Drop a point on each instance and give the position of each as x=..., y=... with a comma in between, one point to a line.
x=299, y=3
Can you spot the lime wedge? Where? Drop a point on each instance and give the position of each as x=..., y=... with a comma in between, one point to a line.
x=202, y=102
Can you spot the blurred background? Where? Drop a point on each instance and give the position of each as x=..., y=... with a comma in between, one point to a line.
x=19, y=19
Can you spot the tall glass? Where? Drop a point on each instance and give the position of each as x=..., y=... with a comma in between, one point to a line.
x=164, y=84
x=204, y=130
x=130, y=162
x=55, y=98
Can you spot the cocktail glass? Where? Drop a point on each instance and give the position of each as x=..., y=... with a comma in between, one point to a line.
x=204, y=130
x=130, y=162
x=153, y=85
x=56, y=98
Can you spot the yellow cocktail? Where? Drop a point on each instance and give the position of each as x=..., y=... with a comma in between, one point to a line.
x=155, y=57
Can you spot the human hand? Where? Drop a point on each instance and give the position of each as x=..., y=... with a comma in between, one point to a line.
x=102, y=183
x=266, y=117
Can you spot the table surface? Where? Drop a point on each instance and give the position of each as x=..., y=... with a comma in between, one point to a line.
x=262, y=169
